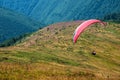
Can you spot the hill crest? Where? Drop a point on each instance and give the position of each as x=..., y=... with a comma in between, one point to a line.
x=53, y=46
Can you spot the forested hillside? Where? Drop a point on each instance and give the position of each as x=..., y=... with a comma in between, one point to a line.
x=13, y=24
x=112, y=17
x=52, y=11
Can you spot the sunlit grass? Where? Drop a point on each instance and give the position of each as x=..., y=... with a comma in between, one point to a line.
x=50, y=54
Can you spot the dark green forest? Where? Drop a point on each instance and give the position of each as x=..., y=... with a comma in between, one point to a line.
x=13, y=24
x=113, y=17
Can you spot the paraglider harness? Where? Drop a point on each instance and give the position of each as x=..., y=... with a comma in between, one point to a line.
x=93, y=53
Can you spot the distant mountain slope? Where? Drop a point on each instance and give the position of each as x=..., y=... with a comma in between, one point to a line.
x=50, y=54
x=112, y=17
x=13, y=24
x=51, y=11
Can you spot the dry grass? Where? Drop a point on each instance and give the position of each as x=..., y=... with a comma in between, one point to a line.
x=47, y=71
x=49, y=54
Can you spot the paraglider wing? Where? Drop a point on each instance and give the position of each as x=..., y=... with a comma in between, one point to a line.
x=83, y=26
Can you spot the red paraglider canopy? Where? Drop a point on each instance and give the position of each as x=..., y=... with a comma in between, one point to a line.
x=83, y=26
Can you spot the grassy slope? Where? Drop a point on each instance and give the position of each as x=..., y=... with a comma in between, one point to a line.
x=50, y=54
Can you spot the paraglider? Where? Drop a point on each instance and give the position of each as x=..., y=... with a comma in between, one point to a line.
x=93, y=52
x=83, y=26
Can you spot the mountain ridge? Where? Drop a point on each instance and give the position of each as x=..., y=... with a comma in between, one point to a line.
x=13, y=24
x=54, y=11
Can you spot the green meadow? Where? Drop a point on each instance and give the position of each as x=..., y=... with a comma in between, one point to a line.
x=50, y=54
